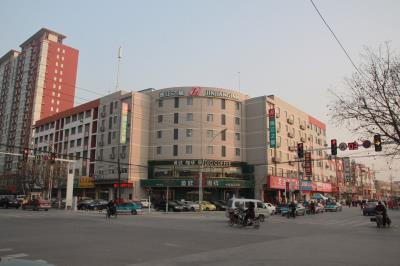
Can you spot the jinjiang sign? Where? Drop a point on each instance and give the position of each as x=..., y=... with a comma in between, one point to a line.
x=222, y=94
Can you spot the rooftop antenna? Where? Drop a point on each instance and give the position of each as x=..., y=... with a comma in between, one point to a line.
x=119, y=62
x=239, y=81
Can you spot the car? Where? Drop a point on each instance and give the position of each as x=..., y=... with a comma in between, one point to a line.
x=333, y=207
x=369, y=208
x=9, y=203
x=270, y=207
x=278, y=208
x=207, y=206
x=86, y=204
x=37, y=204
x=173, y=205
x=129, y=207
x=260, y=209
x=145, y=203
x=190, y=205
x=220, y=204
x=300, y=209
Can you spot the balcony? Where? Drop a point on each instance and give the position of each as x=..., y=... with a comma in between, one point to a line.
x=290, y=121
x=290, y=135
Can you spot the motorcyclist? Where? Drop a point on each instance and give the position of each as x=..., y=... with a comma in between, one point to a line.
x=292, y=209
x=312, y=207
x=381, y=210
x=250, y=212
x=111, y=207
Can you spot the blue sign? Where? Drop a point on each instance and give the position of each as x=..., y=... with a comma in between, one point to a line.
x=306, y=185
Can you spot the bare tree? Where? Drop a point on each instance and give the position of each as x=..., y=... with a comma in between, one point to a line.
x=372, y=103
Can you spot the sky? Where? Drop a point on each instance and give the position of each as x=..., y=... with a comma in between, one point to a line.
x=278, y=47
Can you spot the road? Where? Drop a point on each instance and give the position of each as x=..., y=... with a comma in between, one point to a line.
x=87, y=238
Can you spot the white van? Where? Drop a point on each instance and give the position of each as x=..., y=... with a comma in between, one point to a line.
x=260, y=208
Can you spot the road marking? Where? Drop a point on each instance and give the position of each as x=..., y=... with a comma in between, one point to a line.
x=13, y=256
x=5, y=249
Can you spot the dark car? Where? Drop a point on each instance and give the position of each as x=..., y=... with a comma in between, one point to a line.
x=90, y=204
x=9, y=203
x=220, y=204
x=279, y=207
x=369, y=208
x=173, y=205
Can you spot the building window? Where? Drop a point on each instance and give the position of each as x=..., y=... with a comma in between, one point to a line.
x=78, y=142
x=176, y=133
x=210, y=117
x=176, y=102
x=223, y=103
x=210, y=149
x=67, y=120
x=237, y=120
x=80, y=128
x=111, y=108
x=110, y=121
x=159, y=150
x=223, y=135
x=237, y=136
x=73, y=131
x=223, y=119
x=189, y=117
x=72, y=143
x=88, y=113
x=210, y=133
x=160, y=103
x=237, y=152
x=160, y=118
x=109, y=138
x=210, y=102
x=189, y=100
x=159, y=134
x=188, y=149
x=175, y=150
x=223, y=151
x=176, y=118
x=237, y=104
x=189, y=132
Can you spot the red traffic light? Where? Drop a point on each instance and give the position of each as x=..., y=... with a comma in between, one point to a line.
x=333, y=147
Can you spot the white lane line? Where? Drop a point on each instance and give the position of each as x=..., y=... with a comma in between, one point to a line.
x=5, y=249
x=13, y=256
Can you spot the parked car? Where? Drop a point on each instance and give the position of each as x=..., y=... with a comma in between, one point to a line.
x=9, y=203
x=369, y=208
x=278, y=208
x=173, y=205
x=85, y=204
x=190, y=205
x=207, y=206
x=129, y=207
x=145, y=203
x=270, y=207
x=220, y=204
x=300, y=209
x=37, y=204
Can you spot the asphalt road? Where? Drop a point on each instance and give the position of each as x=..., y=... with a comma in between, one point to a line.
x=87, y=238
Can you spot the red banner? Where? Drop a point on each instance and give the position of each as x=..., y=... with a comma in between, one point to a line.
x=322, y=187
x=279, y=182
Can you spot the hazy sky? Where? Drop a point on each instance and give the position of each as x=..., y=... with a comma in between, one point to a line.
x=279, y=47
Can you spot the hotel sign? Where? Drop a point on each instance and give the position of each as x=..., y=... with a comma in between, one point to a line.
x=174, y=93
x=210, y=163
x=221, y=94
x=272, y=128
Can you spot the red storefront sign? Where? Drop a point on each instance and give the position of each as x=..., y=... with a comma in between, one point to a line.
x=124, y=185
x=279, y=182
x=322, y=187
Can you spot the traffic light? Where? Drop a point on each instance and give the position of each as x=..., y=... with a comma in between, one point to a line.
x=377, y=142
x=53, y=157
x=333, y=147
x=300, y=150
x=25, y=154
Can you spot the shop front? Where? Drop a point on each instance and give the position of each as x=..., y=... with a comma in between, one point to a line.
x=322, y=188
x=108, y=189
x=188, y=188
x=281, y=189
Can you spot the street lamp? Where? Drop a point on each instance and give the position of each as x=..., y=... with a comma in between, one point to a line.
x=201, y=167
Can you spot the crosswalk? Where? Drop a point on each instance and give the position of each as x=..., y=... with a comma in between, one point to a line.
x=9, y=254
x=315, y=220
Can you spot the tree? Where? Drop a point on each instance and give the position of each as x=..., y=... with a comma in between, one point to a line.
x=372, y=103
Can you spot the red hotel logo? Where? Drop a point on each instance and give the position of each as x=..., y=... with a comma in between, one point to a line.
x=195, y=91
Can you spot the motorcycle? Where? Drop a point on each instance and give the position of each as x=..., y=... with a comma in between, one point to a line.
x=291, y=213
x=379, y=220
x=111, y=211
x=239, y=218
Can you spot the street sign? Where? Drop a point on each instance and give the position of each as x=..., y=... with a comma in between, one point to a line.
x=352, y=145
x=342, y=146
x=366, y=144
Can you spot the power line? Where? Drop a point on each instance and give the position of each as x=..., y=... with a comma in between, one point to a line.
x=336, y=38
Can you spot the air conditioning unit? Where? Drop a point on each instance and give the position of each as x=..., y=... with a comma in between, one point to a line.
x=103, y=114
x=290, y=135
x=302, y=127
x=290, y=121
x=303, y=139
